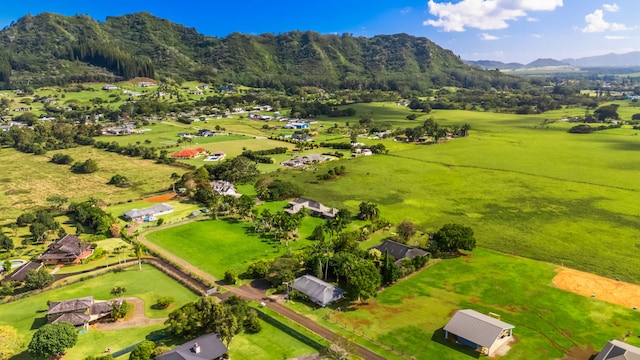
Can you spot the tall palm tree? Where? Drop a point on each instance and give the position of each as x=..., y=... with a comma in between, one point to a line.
x=138, y=249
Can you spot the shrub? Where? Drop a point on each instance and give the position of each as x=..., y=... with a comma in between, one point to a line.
x=164, y=302
x=230, y=277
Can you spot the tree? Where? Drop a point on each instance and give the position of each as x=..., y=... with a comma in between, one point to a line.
x=52, y=339
x=119, y=181
x=6, y=243
x=164, y=302
x=452, y=237
x=57, y=200
x=230, y=277
x=635, y=117
x=6, y=266
x=118, y=291
x=144, y=351
x=11, y=342
x=38, y=279
x=406, y=229
x=138, y=249
x=318, y=233
x=363, y=280
x=119, y=309
x=87, y=167
x=369, y=211
x=390, y=272
x=607, y=112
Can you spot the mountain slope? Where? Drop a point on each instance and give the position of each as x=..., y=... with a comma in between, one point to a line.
x=627, y=59
x=55, y=49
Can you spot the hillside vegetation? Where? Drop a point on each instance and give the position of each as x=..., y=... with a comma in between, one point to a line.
x=50, y=49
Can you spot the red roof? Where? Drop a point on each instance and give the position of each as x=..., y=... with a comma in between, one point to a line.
x=189, y=153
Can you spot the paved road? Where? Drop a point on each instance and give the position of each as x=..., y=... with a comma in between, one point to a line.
x=251, y=293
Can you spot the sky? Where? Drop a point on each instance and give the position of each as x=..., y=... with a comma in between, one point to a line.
x=503, y=30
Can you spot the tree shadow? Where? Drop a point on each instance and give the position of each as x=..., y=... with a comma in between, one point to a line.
x=438, y=337
x=38, y=322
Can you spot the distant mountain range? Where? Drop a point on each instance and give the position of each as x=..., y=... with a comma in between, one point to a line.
x=51, y=49
x=608, y=60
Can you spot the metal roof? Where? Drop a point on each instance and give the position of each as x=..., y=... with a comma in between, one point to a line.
x=209, y=345
x=318, y=291
x=149, y=212
x=476, y=327
x=618, y=350
x=399, y=251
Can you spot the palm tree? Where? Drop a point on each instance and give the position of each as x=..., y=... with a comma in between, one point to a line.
x=138, y=249
x=175, y=177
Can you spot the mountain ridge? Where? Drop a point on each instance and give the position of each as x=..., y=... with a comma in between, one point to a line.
x=630, y=59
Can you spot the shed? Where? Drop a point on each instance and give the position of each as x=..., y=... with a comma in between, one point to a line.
x=479, y=331
x=318, y=291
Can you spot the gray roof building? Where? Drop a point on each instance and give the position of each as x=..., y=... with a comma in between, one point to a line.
x=479, y=331
x=20, y=273
x=399, y=251
x=618, y=350
x=148, y=213
x=315, y=207
x=80, y=311
x=318, y=291
x=66, y=249
x=205, y=347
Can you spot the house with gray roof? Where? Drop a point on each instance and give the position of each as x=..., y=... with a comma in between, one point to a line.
x=225, y=188
x=68, y=248
x=399, y=251
x=313, y=206
x=78, y=312
x=148, y=214
x=618, y=350
x=205, y=347
x=481, y=332
x=318, y=291
x=20, y=273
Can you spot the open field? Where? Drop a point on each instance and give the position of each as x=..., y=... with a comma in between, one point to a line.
x=525, y=186
x=549, y=322
x=218, y=245
x=616, y=292
x=269, y=343
x=28, y=314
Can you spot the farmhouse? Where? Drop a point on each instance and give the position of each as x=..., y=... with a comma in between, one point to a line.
x=205, y=133
x=302, y=137
x=399, y=251
x=618, y=350
x=109, y=87
x=205, y=347
x=315, y=207
x=318, y=291
x=148, y=214
x=78, y=312
x=146, y=84
x=189, y=153
x=225, y=188
x=68, y=248
x=479, y=331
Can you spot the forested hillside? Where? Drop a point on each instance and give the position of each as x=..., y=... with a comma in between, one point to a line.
x=52, y=49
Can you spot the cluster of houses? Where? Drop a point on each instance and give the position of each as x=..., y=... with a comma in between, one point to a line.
x=304, y=160
x=119, y=130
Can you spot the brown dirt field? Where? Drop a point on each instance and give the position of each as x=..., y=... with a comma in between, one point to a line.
x=609, y=290
x=161, y=198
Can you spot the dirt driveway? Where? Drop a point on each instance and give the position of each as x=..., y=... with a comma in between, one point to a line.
x=137, y=317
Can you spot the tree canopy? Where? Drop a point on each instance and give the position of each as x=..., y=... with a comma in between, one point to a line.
x=52, y=339
x=453, y=237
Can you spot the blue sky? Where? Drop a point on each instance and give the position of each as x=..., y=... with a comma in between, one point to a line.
x=505, y=30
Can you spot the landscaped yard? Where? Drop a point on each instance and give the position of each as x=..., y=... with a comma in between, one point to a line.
x=28, y=314
x=549, y=322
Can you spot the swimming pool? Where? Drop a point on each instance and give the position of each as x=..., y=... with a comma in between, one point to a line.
x=16, y=263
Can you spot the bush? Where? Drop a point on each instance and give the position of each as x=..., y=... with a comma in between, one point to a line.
x=164, y=302
x=62, y=159
x=230, y=277
x=87, y=167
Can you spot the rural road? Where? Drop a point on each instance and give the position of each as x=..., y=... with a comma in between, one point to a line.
x=251, y=293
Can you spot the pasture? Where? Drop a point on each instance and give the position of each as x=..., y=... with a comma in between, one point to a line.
x=215, y=246
x=524, y=184
x=549, y=323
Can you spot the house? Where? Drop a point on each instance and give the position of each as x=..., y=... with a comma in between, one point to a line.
x=109, y=87
x=315, y=207
x=20, y=273
x=479, y=331
x=67, y=249
x=205, y=133
x=318, y=291
x=618, y=350
x=399, y=251
x=78, y=312
x=189, y=153
x=146, y=84
x=304, y=160
x=148, y=214
x=22, y=109
x=205, y=347
x=225, y=188
x=296, y=125
x=196, y=92
x=301, y=137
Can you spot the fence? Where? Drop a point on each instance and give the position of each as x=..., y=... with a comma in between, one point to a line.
x=291, y=331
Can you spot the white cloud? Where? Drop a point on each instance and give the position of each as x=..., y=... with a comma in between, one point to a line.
x=488, y=37
x=611, y=7
x=532, y=19
x=537, y=36
x=613, y=37
x=597, y=23
x=484, y=14
x=406, y=10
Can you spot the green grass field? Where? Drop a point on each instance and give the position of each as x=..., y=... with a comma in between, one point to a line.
x=525, y=187
x=28, y=314
x=218, y=245
x=549, y=322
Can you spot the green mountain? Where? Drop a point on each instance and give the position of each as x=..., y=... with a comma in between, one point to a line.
x=53, y=49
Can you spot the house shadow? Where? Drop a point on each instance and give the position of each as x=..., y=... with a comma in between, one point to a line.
x=438, y=337
x=38, y=322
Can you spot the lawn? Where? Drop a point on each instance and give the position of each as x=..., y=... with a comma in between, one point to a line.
x=269, y=343
x=28, y=314
x=524, y=185
x=218, y=245
x=549, y=322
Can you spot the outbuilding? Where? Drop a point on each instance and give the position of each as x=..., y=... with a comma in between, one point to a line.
x=481, y=332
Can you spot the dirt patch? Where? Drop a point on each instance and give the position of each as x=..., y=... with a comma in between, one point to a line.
x=134, y=318
x=504, y=349
x=161, y=198
x=578, y=353
x=474, y=300
x=609, y=290
x=368, y=305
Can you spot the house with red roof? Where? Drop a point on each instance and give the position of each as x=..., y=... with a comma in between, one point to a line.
x=189, y=153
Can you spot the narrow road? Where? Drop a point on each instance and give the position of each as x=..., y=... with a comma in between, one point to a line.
x=250, y=293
